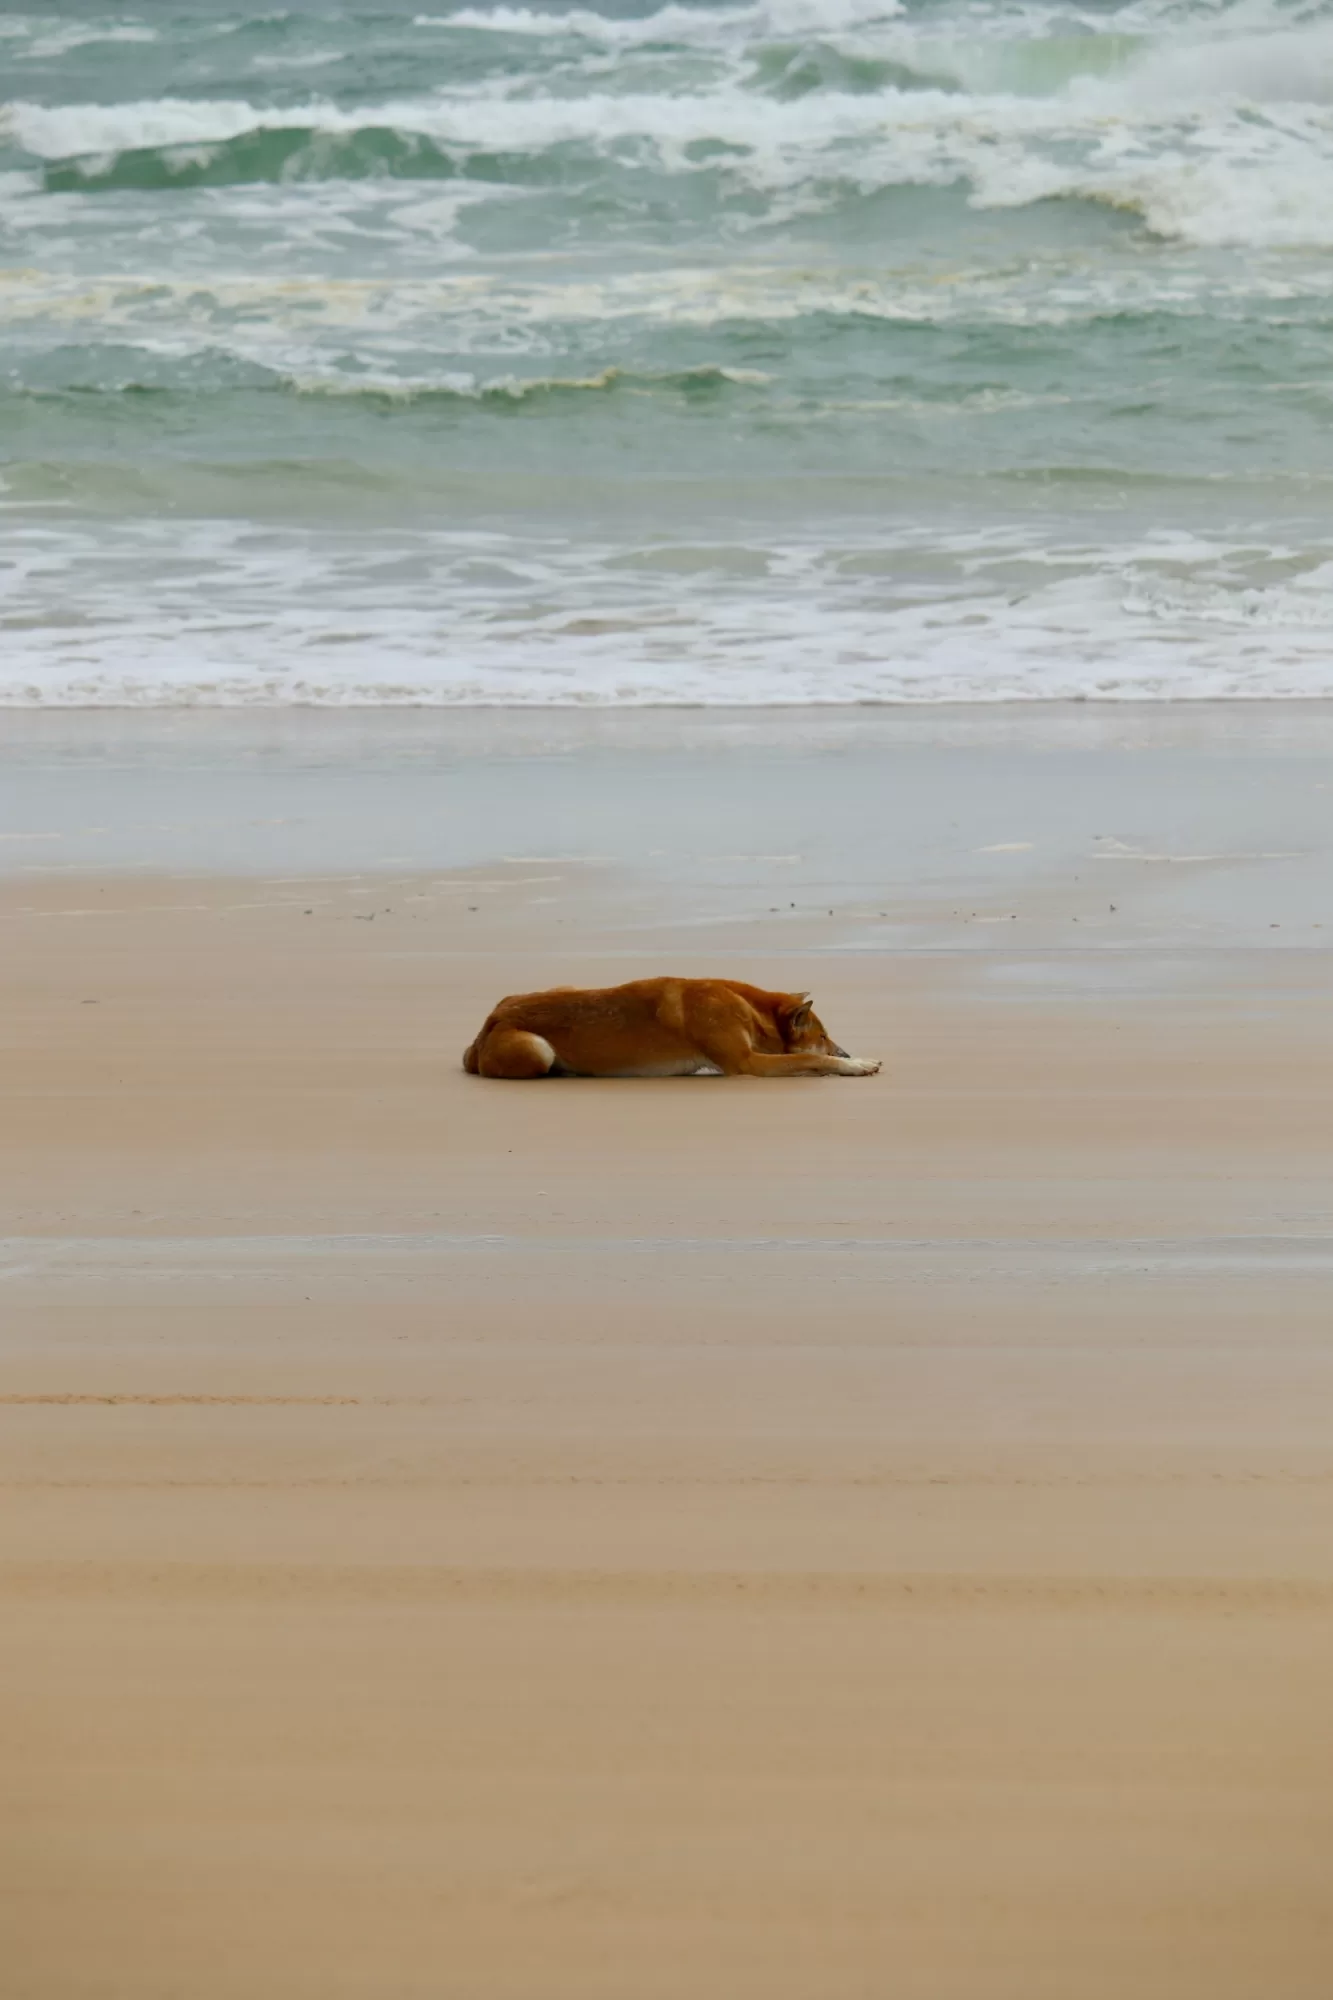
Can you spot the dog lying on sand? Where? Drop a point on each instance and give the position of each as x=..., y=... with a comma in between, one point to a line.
x=659, y=1027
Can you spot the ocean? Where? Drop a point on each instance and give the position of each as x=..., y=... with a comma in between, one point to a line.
x=785, y=351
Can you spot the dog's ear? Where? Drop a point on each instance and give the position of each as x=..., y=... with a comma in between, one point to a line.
x=799, y=1010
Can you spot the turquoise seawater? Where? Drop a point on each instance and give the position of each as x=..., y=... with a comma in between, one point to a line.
x=795, y=350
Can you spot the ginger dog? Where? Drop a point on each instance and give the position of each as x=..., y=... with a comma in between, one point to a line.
x=659, y=1027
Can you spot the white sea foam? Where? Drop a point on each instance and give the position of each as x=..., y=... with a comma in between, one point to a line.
x=369, y=321
x=758, y=21
x=512, y=388
x=769, y=18
x=210, y=613
x=51, y=43
x=1213, y=144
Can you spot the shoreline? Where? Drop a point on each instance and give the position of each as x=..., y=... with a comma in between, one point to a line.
x=1088, y=711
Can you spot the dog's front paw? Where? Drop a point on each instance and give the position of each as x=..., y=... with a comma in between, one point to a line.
x=860, y=1066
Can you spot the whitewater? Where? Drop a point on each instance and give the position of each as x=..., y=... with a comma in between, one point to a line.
x=796, y=351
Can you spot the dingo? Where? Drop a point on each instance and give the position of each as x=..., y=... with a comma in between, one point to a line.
x=659, y=1027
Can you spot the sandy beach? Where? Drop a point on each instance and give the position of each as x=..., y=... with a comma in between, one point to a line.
x=819, y=1541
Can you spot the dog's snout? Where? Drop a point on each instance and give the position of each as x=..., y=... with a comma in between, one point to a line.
x=837, y=1051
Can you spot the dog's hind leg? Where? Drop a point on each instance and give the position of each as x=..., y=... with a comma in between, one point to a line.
x=515, y=1055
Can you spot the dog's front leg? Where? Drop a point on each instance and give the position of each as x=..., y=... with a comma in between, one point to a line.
x=806, y=1062
x=735, y=1055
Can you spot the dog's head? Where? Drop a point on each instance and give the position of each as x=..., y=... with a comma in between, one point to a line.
x=802, y=1030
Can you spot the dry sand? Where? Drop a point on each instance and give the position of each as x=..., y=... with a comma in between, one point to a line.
x=838, y=1540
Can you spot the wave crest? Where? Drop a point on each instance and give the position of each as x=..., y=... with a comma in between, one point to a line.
x=708, y=379
x=1169, y=134
x=121, y=370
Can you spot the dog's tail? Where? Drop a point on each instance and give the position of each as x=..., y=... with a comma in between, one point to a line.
x=472, y=1054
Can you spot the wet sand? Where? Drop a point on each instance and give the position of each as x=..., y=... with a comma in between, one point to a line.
x=823, y=1539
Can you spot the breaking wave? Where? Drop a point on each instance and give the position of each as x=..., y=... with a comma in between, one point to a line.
x=1216, y=137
